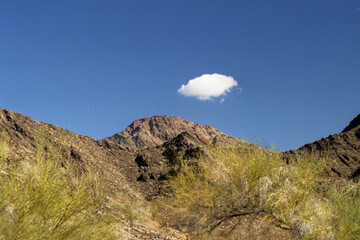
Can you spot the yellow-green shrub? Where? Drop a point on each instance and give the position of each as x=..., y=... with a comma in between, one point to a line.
x=297, y=196
x=346, y=211
x=219, y=187
x=40, y=200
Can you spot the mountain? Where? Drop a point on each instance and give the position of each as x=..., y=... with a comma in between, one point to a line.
x=139, y=161
x=138, y=167
x=154, y=131
x=121, y=168
x=25, y=136
x=343, y=150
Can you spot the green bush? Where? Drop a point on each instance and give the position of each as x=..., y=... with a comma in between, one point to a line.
x=297, y=196
x=40, y=200
x=346, y=211
x=217, y=188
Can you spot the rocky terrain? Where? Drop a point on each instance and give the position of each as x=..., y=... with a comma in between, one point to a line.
x=139, y=160
x=117, y=165
x=343, y=150
x=154, y=131
x=121, y=165
x=138, y=169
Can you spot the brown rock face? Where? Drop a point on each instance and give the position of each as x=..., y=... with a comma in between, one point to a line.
x=344, y=150
x=154, y=131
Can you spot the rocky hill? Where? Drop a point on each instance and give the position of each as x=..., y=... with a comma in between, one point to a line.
x=122, y=169
x=117, y=157
x=343, y=150
x=137, y=166
x=139, y=160
x=154, y=131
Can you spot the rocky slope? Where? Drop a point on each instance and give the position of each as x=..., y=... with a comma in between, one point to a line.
x=26, y=135
x=343, y=150
x=154, y=131
x=139, y=160
x=121, y=168
x=139, y=170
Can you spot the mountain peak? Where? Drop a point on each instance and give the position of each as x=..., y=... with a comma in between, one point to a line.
x=154, y=131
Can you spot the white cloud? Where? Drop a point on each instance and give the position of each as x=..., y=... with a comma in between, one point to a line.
x=208, y=86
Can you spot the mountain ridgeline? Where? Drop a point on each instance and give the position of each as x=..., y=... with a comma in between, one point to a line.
x=343, y=150
x=140, y=161
x=154, y=131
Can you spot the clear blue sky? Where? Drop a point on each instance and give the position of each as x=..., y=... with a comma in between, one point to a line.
x=95, y=66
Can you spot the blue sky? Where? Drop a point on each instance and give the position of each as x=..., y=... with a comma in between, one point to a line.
x=95, y=66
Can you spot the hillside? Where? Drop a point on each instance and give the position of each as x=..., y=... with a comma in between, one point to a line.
x=117, y=161
x=139, y=173
x=343, y=150
x=118, y=166
x=153, y=160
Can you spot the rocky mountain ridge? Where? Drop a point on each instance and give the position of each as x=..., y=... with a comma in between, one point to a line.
x=149, y=134
x=156, y=130
x=342, y=149
x=138, y=160
x=122, y=167
x=119, y=167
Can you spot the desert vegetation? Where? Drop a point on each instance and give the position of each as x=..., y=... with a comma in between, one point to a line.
x=41, y=200
x=47, y=198
x=297, y=196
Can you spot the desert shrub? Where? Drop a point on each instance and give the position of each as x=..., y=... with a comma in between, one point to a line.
x=226, y=185
x=40, y=200
x=174, y=158
x=234, y=182
x=298, y=196
x=131, y=209
x=346, y=211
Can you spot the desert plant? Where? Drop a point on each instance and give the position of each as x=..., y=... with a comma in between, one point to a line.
x=39, y=200
x=235, y=182
x=298, y=196
x=218, y=188
x=346, y=211
x=3, y=148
